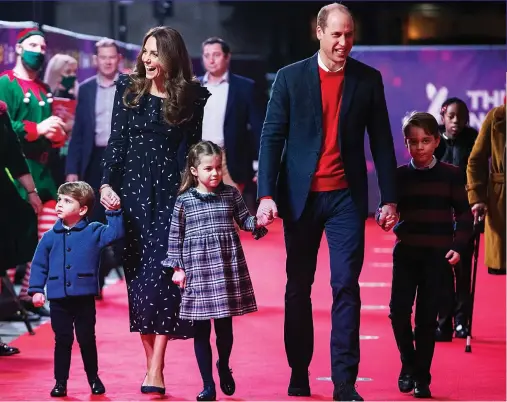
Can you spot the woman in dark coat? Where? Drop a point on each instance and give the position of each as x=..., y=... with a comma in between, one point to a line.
x=157, y=116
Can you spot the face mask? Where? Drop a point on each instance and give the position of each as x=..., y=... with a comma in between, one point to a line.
x=68, y=82
x=33, y=60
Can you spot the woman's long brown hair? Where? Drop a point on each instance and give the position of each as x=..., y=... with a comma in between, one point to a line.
x=194, y=159
x=180, y=83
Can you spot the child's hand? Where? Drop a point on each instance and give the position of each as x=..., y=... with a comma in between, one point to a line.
x=113, y=207
x=179, y=277
x=390, y=221
x=38, y=300
x=453, y=257
x=386, y=221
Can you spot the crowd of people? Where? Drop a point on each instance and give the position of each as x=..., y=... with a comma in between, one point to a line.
x=149, y=172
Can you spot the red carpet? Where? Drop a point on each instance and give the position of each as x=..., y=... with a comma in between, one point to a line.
x=258, y=358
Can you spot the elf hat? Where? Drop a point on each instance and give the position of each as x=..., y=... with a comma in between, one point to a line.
x=26, y=33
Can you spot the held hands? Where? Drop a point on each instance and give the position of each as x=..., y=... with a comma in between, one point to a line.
x=109, y=199
x=388, y=217
x=453, y=257
x=479, y=211
x=179, y=278
x=38, y=300
x=267, y=212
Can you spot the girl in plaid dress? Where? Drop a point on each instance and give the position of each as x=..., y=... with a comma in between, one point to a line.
x=208, y=262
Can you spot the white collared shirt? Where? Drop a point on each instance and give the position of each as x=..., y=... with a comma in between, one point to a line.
x=214, y=111
x=323, y=66
x=104, y=103
x=430, y=166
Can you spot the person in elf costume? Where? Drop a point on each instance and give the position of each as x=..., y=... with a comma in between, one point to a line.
x=29, y=103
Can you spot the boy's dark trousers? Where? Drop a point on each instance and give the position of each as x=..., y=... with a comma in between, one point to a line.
x=456, y=298
x=66, y=314
x=202, y=346
x=416, y=270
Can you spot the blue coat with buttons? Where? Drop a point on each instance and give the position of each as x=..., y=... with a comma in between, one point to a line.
x=67, y=260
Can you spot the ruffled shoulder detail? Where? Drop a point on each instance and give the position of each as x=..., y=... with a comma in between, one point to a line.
x=202, y=96
x=123, y=81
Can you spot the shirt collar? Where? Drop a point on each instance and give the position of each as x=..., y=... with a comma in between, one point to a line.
x=324, y=67
x=59, y=227
x=225, y=78
x=99, y=80
x=430, y=166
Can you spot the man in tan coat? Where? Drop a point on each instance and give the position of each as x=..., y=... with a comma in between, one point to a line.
x=486, y=186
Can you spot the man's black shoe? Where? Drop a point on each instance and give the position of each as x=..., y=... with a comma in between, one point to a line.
x=346, y=392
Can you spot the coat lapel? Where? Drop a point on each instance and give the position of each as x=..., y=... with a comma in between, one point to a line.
x=230, y=96
x=349, y=86
x=315, y=94
x=93, y=99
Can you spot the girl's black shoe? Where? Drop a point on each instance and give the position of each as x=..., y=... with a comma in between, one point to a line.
x=207, y=394
x=227, y=384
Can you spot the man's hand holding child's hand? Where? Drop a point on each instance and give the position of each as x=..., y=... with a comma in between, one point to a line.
x=387, y=217
x=38, y=300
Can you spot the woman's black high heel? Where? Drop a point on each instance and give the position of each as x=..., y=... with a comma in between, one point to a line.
x=150, y=389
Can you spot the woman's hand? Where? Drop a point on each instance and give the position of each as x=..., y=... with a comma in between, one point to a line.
x=479, y=211
x=108, y=198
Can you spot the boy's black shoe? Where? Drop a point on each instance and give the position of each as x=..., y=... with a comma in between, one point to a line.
x=227, y=384
x=97, y=386
x=6, y=350
x=461, y=331
x=405, y=383
x=422, y=390
x=59, y=390
x=443, y=335
x=299, y=384
x=346, y=392
x=207, y=394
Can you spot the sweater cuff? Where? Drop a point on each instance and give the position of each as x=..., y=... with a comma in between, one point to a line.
x=34, y=290
x=31, y=130
x=115, y=212
x=171, y=263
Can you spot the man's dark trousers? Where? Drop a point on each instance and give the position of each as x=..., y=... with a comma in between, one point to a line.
x=334, y=212
x=66, y=314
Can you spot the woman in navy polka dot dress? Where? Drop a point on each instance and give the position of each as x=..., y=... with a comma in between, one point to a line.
x=157, y=116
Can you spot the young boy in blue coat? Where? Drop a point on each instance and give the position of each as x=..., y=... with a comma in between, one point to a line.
x=67, y=261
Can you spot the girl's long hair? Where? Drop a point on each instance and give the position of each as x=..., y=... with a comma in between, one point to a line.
x=200, y=149
x=181, y=85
